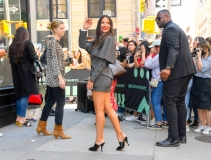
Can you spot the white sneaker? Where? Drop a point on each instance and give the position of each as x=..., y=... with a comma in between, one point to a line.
x=152, y=123
x=199, y=129
x=1, y=134
x=132, y=118
x=207, y=130
x=187, y=128
x=126, y=115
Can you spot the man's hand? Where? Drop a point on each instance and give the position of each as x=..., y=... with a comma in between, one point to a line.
x=164, y=74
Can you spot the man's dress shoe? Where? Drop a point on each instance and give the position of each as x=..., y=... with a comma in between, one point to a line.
x=169, y=142
x=183, y=139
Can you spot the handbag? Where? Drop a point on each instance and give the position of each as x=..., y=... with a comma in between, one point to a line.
x=153, y=82
x=38, y=68
x=89, y=95
x=117, y=70
x=35, y=99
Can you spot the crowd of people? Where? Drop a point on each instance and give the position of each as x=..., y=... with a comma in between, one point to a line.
x=180, y=73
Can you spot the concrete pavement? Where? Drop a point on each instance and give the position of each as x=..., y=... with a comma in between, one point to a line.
x=23, y=143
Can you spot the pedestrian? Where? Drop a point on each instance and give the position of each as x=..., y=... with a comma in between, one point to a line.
x=22, y=56
x=102, y=51
x=152, y=62
x=2, y=53
x=176, y=70
x=201, y=89
x=43, y=60
x=55, y=82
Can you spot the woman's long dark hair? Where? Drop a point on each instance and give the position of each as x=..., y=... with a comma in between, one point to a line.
x=16, y=49
x=80, y=57
x=99, y=36
x=145, y=44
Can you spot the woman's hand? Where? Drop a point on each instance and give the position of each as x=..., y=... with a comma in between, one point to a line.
x=87, y=23
x=89, y=85
x=198, y=53
x=137, y=55
x=130, y=65
x=62, y=83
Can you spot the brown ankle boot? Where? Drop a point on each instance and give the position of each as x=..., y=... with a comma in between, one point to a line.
x=42, y=128
x=58, y=132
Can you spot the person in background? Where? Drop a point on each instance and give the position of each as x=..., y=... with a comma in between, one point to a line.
x=65, y=51
x=77, y=60
x=152, y=62
x=208, y=39
x=22, y=56
x=195, y=123
x=43, y=60
x=2, y=53
x=125, y=41
x=101, y=77
x=176, y=69
x=201, y=89
x=55, y=82
x=137, y=59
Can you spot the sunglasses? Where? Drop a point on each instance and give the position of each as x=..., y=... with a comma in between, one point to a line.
x=158, y=18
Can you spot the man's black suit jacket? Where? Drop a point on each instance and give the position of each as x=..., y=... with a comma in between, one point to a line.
x=175, y=52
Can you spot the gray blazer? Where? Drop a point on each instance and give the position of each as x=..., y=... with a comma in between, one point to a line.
x=101, y=55
x=175, y=52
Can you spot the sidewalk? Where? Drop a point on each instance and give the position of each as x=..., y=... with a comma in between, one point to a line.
x=24, y=143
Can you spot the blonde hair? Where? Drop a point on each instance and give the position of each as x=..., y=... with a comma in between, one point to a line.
x=54, y=24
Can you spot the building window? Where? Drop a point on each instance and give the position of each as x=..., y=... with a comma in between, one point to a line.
x=42, y=9
x=59, y=9
x=96, y=7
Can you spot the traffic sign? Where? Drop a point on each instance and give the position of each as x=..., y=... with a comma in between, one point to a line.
x=12, y=9
x=175, y=2
x=160, y=3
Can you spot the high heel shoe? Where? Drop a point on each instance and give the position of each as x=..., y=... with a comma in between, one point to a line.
x=96, y=146
x=122, y=144
x=120, y=119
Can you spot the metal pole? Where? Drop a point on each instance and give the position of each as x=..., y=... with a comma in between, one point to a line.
x=51, y=10
x=69, y=14
x=7, y=17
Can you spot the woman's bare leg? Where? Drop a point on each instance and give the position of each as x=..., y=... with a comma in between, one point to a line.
x=113, y=118
x=99, y=99
x=208, y=117
x=201, y=116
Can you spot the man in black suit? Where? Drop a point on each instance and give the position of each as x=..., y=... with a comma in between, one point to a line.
x=177, y=68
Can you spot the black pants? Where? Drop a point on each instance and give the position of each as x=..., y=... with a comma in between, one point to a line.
x=174, y=92
x=54, y=94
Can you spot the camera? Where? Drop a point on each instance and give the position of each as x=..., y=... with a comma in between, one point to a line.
x=127, y=56
x=194, y=52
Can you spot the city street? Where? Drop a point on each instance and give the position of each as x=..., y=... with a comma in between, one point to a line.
x=24, y=144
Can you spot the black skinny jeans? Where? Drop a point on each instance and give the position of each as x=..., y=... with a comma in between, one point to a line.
x=54, y=94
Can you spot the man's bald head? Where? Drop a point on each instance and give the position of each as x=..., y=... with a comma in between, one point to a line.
x=163, y=17
x=165, y=12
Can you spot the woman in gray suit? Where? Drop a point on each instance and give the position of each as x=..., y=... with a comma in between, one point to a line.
x=102, y=51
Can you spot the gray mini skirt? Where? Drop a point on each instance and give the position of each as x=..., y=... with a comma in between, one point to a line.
x=102, y=84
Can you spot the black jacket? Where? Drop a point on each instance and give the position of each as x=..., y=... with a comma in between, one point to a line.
x=23, y=79
x=175, y=52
